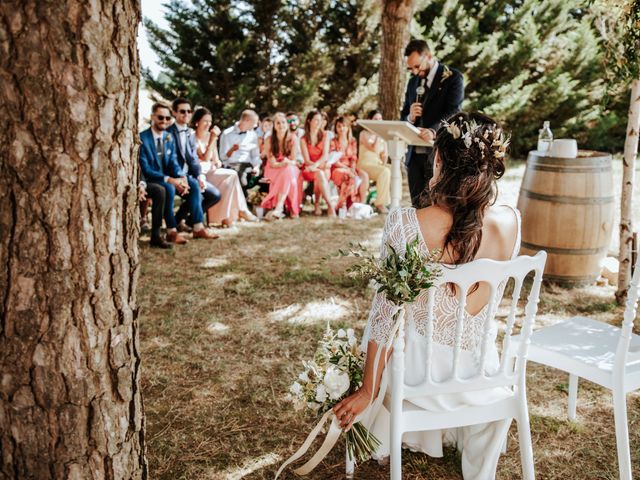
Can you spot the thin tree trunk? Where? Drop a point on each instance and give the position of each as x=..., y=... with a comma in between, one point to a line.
x=70, y=400
x=628, y=181
x=396, y=16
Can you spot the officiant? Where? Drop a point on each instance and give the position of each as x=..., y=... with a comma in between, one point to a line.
x=434, y=93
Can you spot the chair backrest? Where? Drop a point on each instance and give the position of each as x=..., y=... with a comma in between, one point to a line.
x=509, y=371
x=622, y=351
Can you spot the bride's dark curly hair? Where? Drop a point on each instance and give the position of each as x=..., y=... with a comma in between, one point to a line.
x=472, y=149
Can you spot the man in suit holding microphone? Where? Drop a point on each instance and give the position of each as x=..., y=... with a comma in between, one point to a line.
x=434, y=93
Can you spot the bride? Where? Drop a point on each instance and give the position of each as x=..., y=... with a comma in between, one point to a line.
x=464, y=224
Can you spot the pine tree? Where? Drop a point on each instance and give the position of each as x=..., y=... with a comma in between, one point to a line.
x=265, y=54
x=525, y=61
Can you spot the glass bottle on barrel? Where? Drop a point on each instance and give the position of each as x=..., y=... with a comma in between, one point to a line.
x=545, y=138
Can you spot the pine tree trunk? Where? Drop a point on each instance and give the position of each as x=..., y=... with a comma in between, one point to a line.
x=396, y=16
x=70, y=400
x=628, y=180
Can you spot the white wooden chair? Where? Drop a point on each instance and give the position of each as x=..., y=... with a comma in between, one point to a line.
x=600, y=353
x=510, y=374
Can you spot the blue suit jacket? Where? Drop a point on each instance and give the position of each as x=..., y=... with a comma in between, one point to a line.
x=153, y=170
x=190, y=157
x=443, y=99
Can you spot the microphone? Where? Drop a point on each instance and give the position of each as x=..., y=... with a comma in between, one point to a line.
x=420, y=91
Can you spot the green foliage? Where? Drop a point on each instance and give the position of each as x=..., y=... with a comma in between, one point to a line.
x=527, y=61
x=402, y=277
x=264, y=54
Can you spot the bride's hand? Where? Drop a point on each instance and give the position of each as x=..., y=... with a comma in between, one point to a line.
x=348, y=409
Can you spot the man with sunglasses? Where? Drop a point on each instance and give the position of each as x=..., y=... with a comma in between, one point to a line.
x=159, y=166
x=434, y=93
x=189, y=162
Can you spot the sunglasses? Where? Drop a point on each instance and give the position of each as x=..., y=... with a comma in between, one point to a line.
x=184, y=112
x=291, y=120
x=162, y=117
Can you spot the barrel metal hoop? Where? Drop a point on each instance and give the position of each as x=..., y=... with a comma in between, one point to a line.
x=565, y=251
x=583, y=170
x=568, y=200
x=576, y=162
x=571, y=279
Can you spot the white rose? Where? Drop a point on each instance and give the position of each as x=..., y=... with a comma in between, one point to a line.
x=351, y=337
x=342, y=333
x=304, y=377
x=296, y=388
x=321, y=394
x=336, y=382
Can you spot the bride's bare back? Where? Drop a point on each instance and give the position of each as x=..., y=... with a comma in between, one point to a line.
x=499, y=236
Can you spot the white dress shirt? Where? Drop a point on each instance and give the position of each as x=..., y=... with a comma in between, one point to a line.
x=247, y=151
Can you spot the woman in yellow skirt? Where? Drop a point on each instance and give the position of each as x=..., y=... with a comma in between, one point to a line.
x=372, y=158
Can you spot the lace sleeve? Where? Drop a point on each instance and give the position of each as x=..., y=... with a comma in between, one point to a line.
x=380, y=320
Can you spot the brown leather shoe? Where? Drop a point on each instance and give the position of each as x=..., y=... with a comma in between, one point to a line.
x=205, y=234
x=184, y=228
x=175, y=237
x=159, y=242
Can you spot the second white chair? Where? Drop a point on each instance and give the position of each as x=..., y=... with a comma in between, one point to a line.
x=600, y=353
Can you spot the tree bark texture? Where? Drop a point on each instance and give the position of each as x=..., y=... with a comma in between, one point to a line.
x=396, y=18
x=70, y=400
x=628, y=182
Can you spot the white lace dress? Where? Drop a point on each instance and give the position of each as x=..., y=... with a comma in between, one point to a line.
x=480, y=445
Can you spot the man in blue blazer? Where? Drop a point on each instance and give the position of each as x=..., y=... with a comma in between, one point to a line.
x=188, y=159
x=159, y=165
x=439, y=98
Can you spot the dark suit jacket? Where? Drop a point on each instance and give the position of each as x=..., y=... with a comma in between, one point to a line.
x=153, y=170
x=190, y=156
x=443, y=99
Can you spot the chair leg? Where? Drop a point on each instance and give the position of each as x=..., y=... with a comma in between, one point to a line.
x=396, y=453
x=573, y=396
x=622, y=434
x=524, y=438
x=350, y=466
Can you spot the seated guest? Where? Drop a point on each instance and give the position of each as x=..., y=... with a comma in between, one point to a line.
x=352, y=183
x=232, y=204
x=282, y=171
x=372, y=158
x=294, y=124
x=156, y=193
x=188, y=160
x=239, y=148
x=159, y=165
x=325, y=125
x=265, y=129
x=315, y=151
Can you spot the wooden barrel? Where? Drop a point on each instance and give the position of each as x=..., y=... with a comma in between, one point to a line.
x=567, y=207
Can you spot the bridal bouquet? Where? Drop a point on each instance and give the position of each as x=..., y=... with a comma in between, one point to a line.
x=335, y=372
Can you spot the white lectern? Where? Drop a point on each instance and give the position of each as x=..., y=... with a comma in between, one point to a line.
x=398, y=136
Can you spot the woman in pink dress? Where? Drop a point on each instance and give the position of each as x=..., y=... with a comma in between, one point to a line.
x=282, y=171
x=314, y=146
x=352, y=183
x=232, y=204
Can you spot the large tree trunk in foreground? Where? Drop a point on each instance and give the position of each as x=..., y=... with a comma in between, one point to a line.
x=628, y=181
x=396, y=17
x=70, y=401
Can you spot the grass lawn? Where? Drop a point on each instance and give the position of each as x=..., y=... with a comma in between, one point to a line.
x=226, y=324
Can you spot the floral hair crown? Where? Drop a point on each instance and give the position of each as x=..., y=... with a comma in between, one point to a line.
x=487, y=137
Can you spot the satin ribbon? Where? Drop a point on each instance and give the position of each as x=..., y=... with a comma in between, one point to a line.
x=334, y=429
